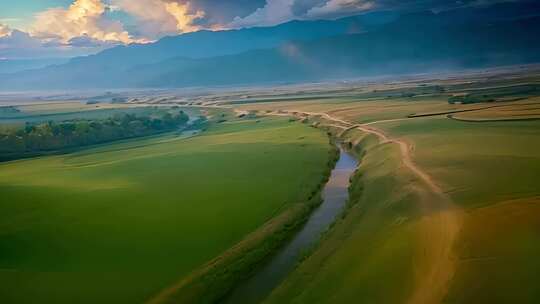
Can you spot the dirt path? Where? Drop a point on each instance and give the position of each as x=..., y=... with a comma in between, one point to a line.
x=405, y=149
x=438, y=231
x=386, y=120
x=438, y=228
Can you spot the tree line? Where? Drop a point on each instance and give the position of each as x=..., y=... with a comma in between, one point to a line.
x=34, y=139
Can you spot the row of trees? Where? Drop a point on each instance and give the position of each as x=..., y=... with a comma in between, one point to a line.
x=469, y=99
x=52, y=136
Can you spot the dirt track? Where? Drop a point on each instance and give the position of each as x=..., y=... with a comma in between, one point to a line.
x=438, y=228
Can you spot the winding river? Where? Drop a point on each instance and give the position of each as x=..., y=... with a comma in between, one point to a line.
x=335, y=194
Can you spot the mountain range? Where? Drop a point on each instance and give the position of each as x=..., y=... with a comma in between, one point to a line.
x=372, y=44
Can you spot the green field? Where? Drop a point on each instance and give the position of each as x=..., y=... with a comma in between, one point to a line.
x=370, y=250
x=444, y=208
x=119, y=222
x=491, y=170
x=474, y=239
x=478, y=164
x=61, y=111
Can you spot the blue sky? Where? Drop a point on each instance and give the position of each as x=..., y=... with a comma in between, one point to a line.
x=19, y=13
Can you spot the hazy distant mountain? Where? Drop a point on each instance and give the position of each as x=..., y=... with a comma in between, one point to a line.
x=394, y=50
x=102, y=69
x=17, y=65
x=370, y=44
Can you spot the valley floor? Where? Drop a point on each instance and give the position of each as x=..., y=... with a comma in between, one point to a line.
x=121, y=222
x=441, y=210
x=444, y=207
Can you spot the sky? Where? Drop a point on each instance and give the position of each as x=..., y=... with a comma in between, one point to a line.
x=64, y=28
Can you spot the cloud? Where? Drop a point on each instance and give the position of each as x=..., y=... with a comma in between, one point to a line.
x=184, y=19
x=301, y=7
x=279, y=11
x=272, y=13
x=21, y=45
x=338, y=8
x=88, y=26
x=18, y=39
x=86, y=41
x=82, y=18
x=157, y=18
x=18, y=44
x=4, y=30
x=223, y=11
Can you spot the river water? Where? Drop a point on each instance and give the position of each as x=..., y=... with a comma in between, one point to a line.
x=334, y=195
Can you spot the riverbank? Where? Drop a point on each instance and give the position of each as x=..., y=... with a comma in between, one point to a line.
x=369, y=248
x=395, y=210
x=118, y=223
x=282, y=262
x=218, y=277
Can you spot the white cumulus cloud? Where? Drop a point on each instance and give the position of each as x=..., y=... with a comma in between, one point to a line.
x=87, y=26
x=272, y=13
x=279, y=11
x=82, y=18
x=161, y=17
x=4, y=30
x=339, y=8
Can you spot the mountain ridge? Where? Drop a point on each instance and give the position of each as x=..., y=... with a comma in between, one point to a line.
x=307, y=50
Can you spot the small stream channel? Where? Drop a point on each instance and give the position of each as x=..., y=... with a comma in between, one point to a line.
x=274, y=271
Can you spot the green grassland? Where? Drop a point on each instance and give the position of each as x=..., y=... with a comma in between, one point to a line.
x=389, y=243
x=172, y=219
x=370, y=251
x=62, y=111
x=490, y=169
x=398, y=100
x=476, y=163
x=119, y=222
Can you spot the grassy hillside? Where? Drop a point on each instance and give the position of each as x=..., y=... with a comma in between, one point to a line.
x=441, y=210
x=385, y=248
x=491, y=170
x=60, y=111
x=120, y=222
x=370, y=251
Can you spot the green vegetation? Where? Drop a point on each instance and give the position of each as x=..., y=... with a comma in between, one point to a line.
x=491, y=170
x=501, y=93
x=437, y=206
x=470, y=98
x=402, y=239
x=476, y=163
x=120, y=222
x=370, y=250
x=73, y=110
x=394, y=230
x=34, y=139
x=9, y=110
x=211, y=283
x=500, y=242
